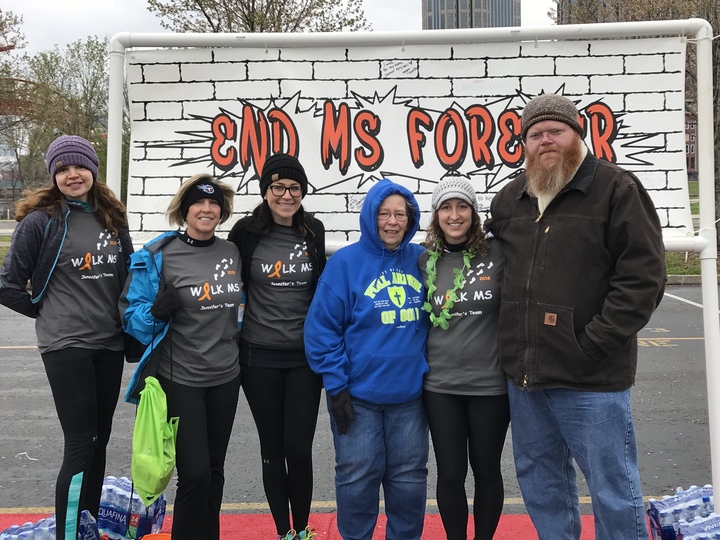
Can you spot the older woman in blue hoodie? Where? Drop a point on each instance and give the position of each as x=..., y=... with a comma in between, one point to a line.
x=365, y=334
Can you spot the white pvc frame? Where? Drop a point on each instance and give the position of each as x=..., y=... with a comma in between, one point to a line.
x=704, y=243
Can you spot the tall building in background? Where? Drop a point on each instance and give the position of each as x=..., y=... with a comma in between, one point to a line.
x=470, y=13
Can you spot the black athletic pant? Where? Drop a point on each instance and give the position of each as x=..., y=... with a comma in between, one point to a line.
x=476, y=425
x=284, y=404
x=85, y=385
x=206, y=419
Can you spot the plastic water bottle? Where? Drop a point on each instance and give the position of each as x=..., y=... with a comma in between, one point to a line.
x=109, y=511
x=9, y=532
x=666, y=518
x=693, y=511
x=678, y=514
x=707, y=507
x=87, y=528
x=105, y=501
x=40, y=532
x=667, y=524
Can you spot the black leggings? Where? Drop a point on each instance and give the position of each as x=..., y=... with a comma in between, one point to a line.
x=85, y=385
x=478, y=423
x=284, y=404
x=206, y=419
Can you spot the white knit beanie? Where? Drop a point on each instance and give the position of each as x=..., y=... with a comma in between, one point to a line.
x=454, y=187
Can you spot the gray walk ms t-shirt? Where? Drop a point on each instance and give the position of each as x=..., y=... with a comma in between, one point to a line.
x=200, y=348
x=464, y=358
x=79, y=306
x=279, y=292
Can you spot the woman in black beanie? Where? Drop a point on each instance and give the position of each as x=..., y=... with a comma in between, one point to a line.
x=282, y=249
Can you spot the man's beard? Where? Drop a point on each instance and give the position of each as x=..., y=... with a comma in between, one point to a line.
x=551, y=176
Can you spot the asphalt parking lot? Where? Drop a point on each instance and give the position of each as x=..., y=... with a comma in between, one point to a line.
x=670, y=406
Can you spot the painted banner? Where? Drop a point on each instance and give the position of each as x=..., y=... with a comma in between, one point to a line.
x=414, y=114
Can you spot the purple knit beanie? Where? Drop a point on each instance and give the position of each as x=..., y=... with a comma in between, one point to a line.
x=69, y=150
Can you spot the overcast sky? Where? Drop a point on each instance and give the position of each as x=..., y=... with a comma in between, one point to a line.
x=50, y=22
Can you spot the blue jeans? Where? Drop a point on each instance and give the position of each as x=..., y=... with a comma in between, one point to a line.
x=385, y=445
x=550, y=428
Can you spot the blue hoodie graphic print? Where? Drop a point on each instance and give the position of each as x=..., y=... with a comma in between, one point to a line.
x=365, y=330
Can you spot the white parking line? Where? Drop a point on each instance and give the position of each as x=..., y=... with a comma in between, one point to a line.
x=681, y=299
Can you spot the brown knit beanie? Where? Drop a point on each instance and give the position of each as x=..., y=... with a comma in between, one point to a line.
x=550, y=107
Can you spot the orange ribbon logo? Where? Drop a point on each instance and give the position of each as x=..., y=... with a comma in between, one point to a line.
x=276, y=273
x=206, y=290
x=86, y=266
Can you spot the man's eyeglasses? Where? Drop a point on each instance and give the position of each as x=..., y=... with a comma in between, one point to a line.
x=279, y=190
x=552, y=133
x=399, y=216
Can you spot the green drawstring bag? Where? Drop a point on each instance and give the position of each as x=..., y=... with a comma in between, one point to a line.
x=153, y=443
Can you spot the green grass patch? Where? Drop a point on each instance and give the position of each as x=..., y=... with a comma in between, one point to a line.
x=678, y=263
x=694, y=208
x=4, y=242
x=694, y=188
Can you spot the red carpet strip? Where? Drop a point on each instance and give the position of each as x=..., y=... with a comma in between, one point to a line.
x=260, y=526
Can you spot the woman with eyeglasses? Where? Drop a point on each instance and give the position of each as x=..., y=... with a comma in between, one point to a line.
x=365, y=334
x=282, y=248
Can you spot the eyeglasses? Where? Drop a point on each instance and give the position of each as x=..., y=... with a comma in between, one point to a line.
x=399, y=216
x=552, y=133
x=279, y=190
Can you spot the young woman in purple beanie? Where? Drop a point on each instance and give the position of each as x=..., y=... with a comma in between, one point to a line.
x=72, y=244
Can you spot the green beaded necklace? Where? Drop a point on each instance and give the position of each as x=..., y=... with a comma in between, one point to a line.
x=443, y=318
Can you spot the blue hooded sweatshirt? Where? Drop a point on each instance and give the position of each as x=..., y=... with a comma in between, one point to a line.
x=365, y=330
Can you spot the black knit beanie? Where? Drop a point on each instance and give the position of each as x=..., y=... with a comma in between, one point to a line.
x=281, y=166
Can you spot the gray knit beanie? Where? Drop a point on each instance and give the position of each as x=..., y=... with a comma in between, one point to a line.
x=454, y=187
x=550, y=107
x=69, y=150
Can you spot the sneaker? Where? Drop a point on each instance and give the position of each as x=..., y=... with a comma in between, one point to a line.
x=290, y=535
x=307, y=534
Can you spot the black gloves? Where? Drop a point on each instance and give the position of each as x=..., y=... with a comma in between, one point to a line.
x=167, y=302
x=342, y=410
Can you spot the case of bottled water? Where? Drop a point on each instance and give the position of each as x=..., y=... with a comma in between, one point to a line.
x=123, y=515
x=685, y=515
x=44, y=529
